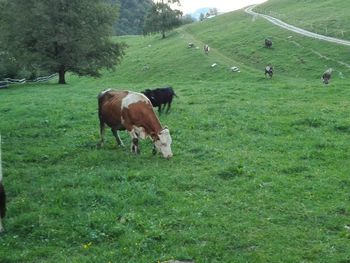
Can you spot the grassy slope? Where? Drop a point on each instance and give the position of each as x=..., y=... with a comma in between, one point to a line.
x=328, y=17
x=259, y=172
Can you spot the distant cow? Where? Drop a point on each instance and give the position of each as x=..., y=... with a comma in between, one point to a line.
x=2, y=195
x=160, y=97
x=268, y=43
x=326, y=76
x=269, y=70
x=206, y=49
x=132, y=111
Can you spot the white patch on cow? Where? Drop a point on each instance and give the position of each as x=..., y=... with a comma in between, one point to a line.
x=163, y=145
x=138, y=132
x=133, y=97
x=103, y=92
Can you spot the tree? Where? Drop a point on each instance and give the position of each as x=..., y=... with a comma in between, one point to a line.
x=187, y=19
x=60, y=35
x=132, y=16
x=213, y=12
x=162, y=18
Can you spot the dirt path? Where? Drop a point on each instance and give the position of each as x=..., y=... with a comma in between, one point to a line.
x=282, y=24
x=215, y=54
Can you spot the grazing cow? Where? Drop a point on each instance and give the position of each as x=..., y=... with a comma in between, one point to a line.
x=190, y=45
x=2, y=195
x=269, y=70
x=206, y=49
x=132, y=111
x=326, y=76
x=268, y=43
x=160, y=97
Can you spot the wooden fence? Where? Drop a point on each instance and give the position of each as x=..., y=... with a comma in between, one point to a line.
x=8, y=81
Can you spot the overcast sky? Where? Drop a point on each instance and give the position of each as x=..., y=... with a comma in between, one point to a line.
x=190, y=6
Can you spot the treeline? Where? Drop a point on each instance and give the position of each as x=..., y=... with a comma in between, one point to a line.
x=132, y=15
x=42, y=37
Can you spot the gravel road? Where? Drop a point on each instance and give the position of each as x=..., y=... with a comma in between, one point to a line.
x=282, y=24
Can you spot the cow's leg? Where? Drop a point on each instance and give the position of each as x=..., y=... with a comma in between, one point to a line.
x=102, y=133
x=160, y=109
x=154, y=150
x=135, y=146
x=169, y=105
x=134, y=142
x=117, y=138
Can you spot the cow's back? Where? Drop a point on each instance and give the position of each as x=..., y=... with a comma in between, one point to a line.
x=110, y=107
x=137, y=111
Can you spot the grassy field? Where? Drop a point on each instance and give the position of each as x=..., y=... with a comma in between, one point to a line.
x=260, y=171
x=326, y=17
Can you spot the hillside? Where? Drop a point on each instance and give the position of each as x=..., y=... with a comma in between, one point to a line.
x=259, y=172
x=327, y=17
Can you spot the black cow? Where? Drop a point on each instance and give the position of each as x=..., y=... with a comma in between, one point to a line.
x=326, y=76
x=160, y=97
x=269, y=70
x=268, y=43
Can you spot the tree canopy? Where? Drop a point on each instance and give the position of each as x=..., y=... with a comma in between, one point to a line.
x=162, y=18
x=60, y=35
x=132, y=16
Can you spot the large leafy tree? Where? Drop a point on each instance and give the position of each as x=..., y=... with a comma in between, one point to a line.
x=60, y=35
x=162, y=18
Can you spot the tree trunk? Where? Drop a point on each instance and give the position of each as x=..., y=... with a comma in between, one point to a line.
x=61, y=76
x=163, y=34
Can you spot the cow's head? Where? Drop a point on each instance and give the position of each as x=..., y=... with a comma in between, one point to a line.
x=162, y=143
x=150, y=95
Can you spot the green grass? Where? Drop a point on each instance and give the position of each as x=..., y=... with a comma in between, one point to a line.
x=327, y=17
x=260, y=169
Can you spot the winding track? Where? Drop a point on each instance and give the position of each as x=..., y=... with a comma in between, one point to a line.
x=282, y=24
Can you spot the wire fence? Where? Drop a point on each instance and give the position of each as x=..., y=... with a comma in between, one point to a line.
x=8, y=81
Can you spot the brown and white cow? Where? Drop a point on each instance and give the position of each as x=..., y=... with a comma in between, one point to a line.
x=132, y=111
x=206, y=49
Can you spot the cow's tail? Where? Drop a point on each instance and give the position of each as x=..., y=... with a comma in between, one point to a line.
x=101, y=98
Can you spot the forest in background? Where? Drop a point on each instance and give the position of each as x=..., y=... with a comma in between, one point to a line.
x=131, y=16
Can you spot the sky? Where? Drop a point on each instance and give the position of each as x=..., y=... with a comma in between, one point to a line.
x=190, y=6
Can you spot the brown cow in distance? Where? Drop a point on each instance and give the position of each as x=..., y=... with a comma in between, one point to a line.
x=132, y=111
x=269, y=70
x=206, y=49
